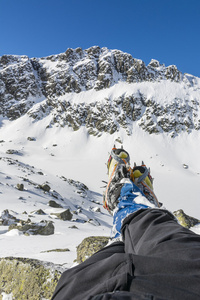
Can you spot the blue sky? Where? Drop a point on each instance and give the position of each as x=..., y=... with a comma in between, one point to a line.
x=166, y=30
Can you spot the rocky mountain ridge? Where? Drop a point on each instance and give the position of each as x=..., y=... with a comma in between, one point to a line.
x=46, y=86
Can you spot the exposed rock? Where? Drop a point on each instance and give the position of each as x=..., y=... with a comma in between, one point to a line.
x=56, y=195
x=12, y=151
x=27, y=227
x=45, y=187
x=7, y=218
x=53, y=203
x=73, y=227
x=154, y=63
x=18, y=83
x=31, y=139
x=33, y=87
x=20, y=186
x=64, y=215
x=89, y=246
x=185, y=220
x=56, y=250
x=94, y=222
x=40, y=173
x=28, y=278
x=96, y=209
x=81, y=186
x=43, y=228
x=38, y=212
x=185, y=166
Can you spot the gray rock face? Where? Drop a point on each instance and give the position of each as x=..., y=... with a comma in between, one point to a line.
x=50, y=79
x=18, y=85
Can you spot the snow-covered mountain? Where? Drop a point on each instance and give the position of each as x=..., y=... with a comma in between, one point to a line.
x=61, y=115
x=100, y=89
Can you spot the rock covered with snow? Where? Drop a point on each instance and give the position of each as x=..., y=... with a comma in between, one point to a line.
x=43, y=228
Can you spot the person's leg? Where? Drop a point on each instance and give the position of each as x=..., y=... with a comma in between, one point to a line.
x=93, y=276
x=128, y=190
x=165, y=256
x=147, y=229
x=155, y=232
x=130, y=200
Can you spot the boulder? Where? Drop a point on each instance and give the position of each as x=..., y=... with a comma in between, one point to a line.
x=20, y=186
x=38, y=212
x=7, y=218
x=31, y=139
x=43, y=228
x=89, y=246
x=12, y=151
x=53, y=203
x=45, y=187
x=185, y=220
x=64, y=215
x=28, y=278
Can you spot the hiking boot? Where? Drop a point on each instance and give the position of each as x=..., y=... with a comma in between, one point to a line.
x=118, y=170
x=141, y=177
x=120, y=173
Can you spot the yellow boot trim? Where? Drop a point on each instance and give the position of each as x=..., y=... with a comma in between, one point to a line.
x=137, y=174
x=113, y=162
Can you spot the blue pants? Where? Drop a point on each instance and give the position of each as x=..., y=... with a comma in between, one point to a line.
x=129, y=196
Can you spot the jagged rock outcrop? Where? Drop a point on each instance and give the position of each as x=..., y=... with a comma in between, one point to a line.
x=19, y=85
x=40, y=87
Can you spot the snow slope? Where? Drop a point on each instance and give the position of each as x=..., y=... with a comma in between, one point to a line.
x=62, y=153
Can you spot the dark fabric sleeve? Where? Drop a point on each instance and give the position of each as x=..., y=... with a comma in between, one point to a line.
x=156, y=233
x=102, y=272
x=166, y=256
x=159, y=259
